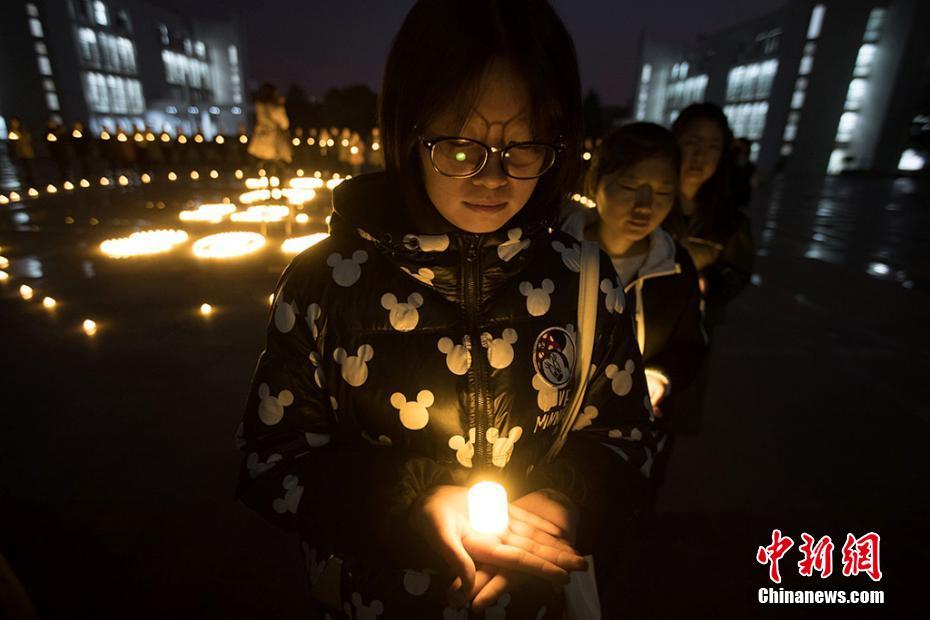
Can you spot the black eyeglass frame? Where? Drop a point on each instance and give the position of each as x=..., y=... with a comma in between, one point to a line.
x=430, y=144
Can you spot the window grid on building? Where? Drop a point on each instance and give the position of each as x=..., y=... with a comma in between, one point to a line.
x=844, y=151
x=814, y=26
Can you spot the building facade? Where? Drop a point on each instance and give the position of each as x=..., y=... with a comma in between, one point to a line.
x=817, y=87
x=119, y=64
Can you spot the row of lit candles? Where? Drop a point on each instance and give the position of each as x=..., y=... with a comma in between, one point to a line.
x=198, y=138
x=145, y=178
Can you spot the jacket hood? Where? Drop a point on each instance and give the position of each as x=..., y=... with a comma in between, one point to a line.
x=422, y=243
x=660, y=257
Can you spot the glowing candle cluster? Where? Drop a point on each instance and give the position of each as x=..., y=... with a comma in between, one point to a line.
x=228, y=245
x=296, y=245
x=262, y=213
x=208, y=212
x=143, y=243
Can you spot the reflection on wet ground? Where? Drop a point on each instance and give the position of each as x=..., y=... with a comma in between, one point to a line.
x=119, y=461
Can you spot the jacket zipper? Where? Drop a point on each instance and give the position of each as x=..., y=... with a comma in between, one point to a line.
x=477, y=370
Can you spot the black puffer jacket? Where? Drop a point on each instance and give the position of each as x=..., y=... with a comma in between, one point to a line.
x=721, y=248
x=396, y=361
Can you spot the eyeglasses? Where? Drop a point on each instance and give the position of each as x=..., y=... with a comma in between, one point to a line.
x=461, y=158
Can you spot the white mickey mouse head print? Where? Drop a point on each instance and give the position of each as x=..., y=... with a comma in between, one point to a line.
x=537, y=299
x=366, y=612
x=316, y=440
x=413, y=415
x=292, y=494
x=502, y=446
x=571, y=256
x=403, y=316
x=423, y=274
x=271, y=408
x=285, y=315
x=464, y=450
x=500, y=350
x=416, y=582
x=586, y=418
x=458, y=358
x=548, y=396
x=316, y=362
x=355, y=368
x=614, y=296
x=621, y=381
x=347, y=271
x=427, y=243
x=314, y=312
x=255, y=465
x=513, y=246
x=498, y=611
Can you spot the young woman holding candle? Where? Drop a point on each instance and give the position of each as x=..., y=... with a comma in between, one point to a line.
x=423, y=346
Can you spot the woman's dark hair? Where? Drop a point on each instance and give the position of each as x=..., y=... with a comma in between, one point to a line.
x=267, y=93
x=628, y=146
x=713, y=198
x=436, y=64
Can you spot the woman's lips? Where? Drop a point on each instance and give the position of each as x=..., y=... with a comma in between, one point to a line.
x=486, y=206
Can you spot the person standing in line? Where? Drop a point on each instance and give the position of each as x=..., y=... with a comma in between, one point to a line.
x=706, y=220
x=428, y=343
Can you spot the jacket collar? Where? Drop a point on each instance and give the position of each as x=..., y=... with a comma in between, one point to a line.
x=372, y=206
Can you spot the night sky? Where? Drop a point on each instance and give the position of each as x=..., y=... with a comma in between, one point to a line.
x=325, y=43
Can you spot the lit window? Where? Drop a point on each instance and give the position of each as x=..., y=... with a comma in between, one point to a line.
x=188, y=47
x=32, y=10
x=797, y=100
x=791, y=132
x=87, y=43
x=848, y=122
x=810, y=48
x=201, y=49
x=683, y=70
x=45, y=67
x=816, y=22
x=51, y=100
x=911, y=161
x=837, y=161
x=233, y=55
x=49, y=85
x=100, y=13
x=874, y=26
x=35, y=27
x=786, y=150
x=864, y=59
x=163, y=30
x=807, y=63
x=41, y=48
x=855, y=94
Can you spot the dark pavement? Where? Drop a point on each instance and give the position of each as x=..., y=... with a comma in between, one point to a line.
x=118, y=466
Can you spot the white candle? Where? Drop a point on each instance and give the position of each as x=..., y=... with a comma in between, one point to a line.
x=487, y=507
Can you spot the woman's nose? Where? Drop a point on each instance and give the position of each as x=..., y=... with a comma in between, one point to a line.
x=492, y=175
x=644, y=196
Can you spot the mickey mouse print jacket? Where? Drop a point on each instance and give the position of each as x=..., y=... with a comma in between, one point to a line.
x=398, y=360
